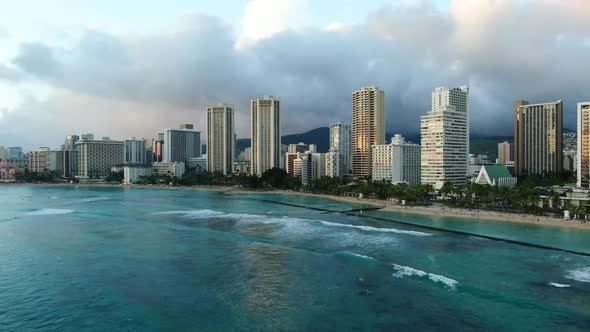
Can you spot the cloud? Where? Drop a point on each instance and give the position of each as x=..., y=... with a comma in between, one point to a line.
x=264, y=18
x=503, y=49
x=10, y=73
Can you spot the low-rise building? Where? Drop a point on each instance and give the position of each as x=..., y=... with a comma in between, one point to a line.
x=134, y=173
x=174, y=169
x=242, y=166
x=198, y=165
x=495, y=175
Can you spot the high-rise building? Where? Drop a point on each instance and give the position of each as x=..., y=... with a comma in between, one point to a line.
x=181, y=144
x=158, y=148
x=55, y=161
x=583, y=159
x=220, y=139
x=135, y=152
x=39, y=160
x=70, y=157
x=96, y=157
x=290, y=158
x=445, y=138
x=4, y=153
x=266, y=134
x=406, y=162
x=505, y=153
x=341, y=140
x=333, y=163
x=397, y=162
x=368, y=127
x=538, y=141
x=301, y=147
x=15, y=152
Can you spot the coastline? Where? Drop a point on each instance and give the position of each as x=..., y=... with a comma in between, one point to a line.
x=435, y=210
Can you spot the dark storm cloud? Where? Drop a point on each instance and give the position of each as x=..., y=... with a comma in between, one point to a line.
x=502, y=49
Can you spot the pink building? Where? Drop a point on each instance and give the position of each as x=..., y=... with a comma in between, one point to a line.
x=8, y=171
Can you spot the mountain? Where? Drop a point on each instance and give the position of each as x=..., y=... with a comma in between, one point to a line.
x=321, y=137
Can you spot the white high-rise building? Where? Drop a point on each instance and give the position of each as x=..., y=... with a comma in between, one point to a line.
x=135, y=152
x=333, y=164
x=397, y=162
x=220, y=139
x=181, y=144
x=341, y=140
x=368, y=127
x=583, y=159
x=406, y=162
x=445, y=138
x=266, y=134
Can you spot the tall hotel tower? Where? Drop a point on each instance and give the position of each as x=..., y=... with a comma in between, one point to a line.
x=220, y=139
x=368, y=127
x=584, y=144
x=266, y=134
x=181, y=144
x=445, y=138
x=341, y=141
x=538, y=142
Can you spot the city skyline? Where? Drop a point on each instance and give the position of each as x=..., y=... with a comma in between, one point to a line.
x=94, y=72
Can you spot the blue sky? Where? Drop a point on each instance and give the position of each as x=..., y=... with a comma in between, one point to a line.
x=67, y=66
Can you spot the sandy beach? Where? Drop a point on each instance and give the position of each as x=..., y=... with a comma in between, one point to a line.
x=435, y=209
x=440, y=210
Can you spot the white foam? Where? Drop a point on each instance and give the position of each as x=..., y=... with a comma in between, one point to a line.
x=194, y=214
x=554, y=284
x=96, y=199
x=46, y=212
x=406, y=271
x=581, y=274
x=360, y=256
x=375, y=229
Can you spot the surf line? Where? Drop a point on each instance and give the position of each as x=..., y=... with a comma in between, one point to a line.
x=432, y=228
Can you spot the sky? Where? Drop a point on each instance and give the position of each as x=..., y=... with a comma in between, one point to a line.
x=131, y=68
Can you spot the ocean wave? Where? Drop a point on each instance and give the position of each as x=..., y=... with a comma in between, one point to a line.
x=361, y=256
x=194, y=214
x=375, y=229
x=95, y=199
x=406, y=271
x=46, y=212
x=581, y=274
x=554, y=284
x=267, y=219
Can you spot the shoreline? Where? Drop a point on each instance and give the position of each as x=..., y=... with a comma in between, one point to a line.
x=434, y=210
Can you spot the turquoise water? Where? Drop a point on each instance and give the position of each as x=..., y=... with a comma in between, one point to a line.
x=113, y=259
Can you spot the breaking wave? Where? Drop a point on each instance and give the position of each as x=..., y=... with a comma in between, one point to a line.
x=266, y=219
x=554, y=284
x=581, y=274
x=361, y=256
x=95, y=199
x=46, y=212
x=375, y=229
x=406, y=271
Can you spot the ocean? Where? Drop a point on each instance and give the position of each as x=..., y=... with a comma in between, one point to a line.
x=76, y=258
